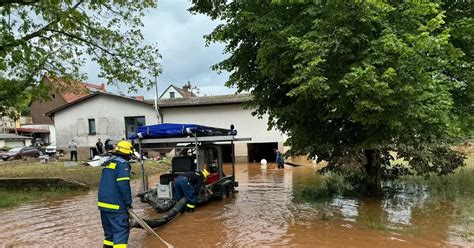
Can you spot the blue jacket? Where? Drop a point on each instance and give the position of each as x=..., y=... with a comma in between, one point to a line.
x=278, y=157
x=114, y=187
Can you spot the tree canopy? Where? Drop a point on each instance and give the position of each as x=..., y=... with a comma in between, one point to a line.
x=352, y=81
x=57, y=38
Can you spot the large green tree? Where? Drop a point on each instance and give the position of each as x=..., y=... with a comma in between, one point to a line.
x=352, y=81
x=58, y=37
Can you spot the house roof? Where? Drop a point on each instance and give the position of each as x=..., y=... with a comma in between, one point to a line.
x=31, y=130
x=203, y=101
x=85, y=98
x=181, y=91
x=74, y=90
x=11, y=136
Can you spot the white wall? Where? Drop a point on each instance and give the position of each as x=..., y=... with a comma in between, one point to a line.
x=223, y=116
x=17, y=143
x=109, y=113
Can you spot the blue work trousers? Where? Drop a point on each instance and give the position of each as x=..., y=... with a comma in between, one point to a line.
x=116, y=228
x=184, y=189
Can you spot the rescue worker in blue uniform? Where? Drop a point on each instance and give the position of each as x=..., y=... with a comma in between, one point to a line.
x=115, y=196
x=188, y=185
x=279, y=159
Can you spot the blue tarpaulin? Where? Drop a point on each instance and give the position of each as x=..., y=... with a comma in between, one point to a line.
x=173, y=130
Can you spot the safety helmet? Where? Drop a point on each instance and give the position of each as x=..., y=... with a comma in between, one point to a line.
x=205, y=173
x=124, y=147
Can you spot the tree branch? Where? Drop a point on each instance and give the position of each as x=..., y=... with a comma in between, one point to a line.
x=19, y=2
x=88, y=42
x=38, y=32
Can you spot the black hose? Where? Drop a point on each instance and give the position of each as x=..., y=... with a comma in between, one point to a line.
x=167, y=217
x=292, y=164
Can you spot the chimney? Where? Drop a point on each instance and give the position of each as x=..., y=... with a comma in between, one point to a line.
x=187, y=86
x=102, y=87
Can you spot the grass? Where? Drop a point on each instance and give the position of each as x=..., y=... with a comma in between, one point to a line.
x=13, y=198
x=85, y=174
x=450, y=197
x=320, y=188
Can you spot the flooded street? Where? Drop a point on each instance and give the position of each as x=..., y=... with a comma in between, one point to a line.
x=262, y=213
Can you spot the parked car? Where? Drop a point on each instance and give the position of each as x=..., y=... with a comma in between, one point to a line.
x=51, y=150
x=20, y=153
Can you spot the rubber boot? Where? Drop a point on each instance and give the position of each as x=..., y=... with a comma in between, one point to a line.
x=189, y=210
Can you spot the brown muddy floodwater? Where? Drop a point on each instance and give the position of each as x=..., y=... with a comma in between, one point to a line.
x=262, y=213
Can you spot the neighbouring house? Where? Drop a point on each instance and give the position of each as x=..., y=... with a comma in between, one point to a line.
x=61, y=93
x=222, y=111
x=9, y=125
x=14, y=140
x=42, y=134
x=175, y=92
x=99, y=115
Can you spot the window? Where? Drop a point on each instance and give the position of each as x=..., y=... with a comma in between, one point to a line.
x=171, y=94
x=132, y=123
x=91, y=126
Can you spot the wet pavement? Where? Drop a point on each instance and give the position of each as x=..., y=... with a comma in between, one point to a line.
x=262, y=213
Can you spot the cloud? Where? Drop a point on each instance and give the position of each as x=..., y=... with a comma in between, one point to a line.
x=185, y=57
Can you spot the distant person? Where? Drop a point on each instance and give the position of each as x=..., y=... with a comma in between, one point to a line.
x=73, y=149
x=99, y=146
x=279, y=159
x=115, y=196
x=38, y=146
x=108, y=145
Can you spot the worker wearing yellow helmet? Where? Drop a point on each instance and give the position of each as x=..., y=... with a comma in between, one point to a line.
x=189, y=185
x=115, y=196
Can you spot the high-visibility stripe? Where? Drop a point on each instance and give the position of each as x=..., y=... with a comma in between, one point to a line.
x=111, y=166
x=109, y=243
x=190, y=205
x=120, y=246
x=107, y=205
x=123, y=179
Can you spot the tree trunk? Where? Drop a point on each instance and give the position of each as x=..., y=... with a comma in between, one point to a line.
x=374, y=173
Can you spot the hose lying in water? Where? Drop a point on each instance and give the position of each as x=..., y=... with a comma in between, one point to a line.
x=292, y=164
x=165, y=218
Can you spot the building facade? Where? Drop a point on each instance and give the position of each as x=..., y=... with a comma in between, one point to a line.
x=99, y=115
x=9, y=140
x=222, y=111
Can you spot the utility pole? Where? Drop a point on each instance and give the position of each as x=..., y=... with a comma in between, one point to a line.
x=156, y=99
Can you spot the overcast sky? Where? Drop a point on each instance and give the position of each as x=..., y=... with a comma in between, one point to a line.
x=184, y=55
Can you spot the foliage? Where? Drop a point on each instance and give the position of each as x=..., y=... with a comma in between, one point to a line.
x=342, y=78
x=57, y=38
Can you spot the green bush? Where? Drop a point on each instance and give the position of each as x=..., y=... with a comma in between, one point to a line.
x=5, y=148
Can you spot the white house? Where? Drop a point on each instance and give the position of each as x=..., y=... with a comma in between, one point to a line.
x=13, y=140
x=99, y=115
x=176, y=92
x=222, y=111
